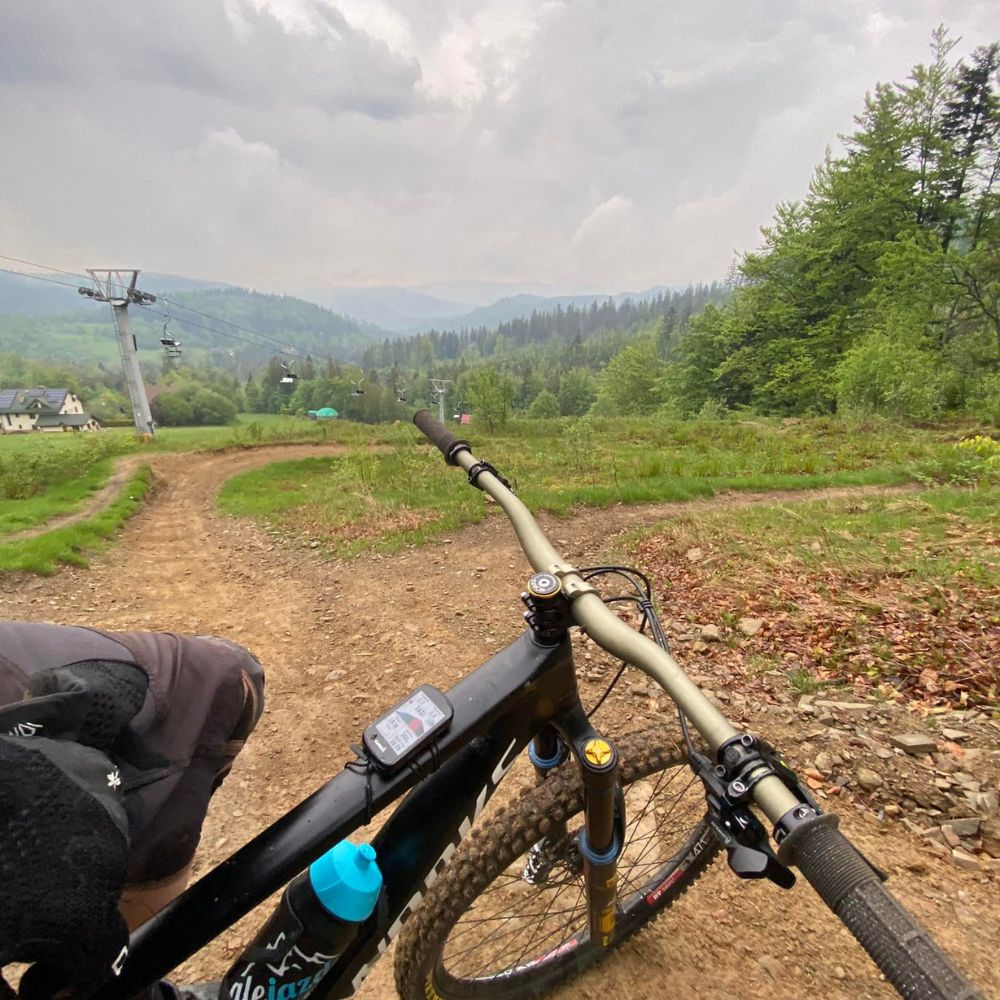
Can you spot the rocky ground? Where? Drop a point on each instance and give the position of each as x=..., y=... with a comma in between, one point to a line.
x=342, y=641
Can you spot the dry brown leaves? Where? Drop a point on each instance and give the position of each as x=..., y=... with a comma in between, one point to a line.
x=907, y=639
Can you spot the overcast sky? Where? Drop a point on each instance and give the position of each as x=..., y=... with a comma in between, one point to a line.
x=283, y=144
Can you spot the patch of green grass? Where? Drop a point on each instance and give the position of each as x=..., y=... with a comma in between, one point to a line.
x=360, y=500
x=256, y=429
x=933, y=535
x=31, y=464
x=403, y=496
x=803, y=682
x=45, y=552
x=43, y=476
x=64, y=498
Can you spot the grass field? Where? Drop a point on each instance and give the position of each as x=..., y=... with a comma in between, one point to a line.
x=403, y=495
x=400, y=494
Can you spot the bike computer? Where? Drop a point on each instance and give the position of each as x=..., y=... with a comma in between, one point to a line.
x=403, y=731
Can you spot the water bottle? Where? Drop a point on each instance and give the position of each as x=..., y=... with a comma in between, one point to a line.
x=318, y=917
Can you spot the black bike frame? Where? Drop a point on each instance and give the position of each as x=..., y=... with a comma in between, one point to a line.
x=498, y=709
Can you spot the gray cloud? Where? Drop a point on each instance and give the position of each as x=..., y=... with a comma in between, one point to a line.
x=296, y=143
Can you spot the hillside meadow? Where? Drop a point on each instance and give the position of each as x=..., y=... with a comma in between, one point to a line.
x=389, y=489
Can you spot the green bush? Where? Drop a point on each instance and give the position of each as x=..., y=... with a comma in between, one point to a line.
x=892, y=378
x=984, y=400
x=42, y=462
x=192, y=405
x=544, y=406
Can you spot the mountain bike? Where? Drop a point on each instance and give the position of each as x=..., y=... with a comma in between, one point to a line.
x=606, y=836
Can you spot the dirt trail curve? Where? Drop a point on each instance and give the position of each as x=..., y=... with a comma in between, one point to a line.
x=343, y=640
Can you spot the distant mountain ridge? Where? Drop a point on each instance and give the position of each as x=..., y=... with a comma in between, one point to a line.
x=403, y=310
x=227, y=326
x=57, y=293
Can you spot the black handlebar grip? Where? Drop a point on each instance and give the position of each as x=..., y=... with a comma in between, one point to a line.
x=438, y=434
x=897, y=943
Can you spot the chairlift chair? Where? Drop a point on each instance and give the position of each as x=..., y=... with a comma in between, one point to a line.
x=401, y=394
x=357, y=390
x=171, y=346
x=289, y=378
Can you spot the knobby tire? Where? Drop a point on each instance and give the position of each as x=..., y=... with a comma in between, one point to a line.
x=447, y=949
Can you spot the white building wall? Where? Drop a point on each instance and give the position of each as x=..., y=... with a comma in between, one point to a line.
x=11, y=423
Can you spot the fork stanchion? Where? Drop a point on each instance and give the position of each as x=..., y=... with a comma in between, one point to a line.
x=600, y=843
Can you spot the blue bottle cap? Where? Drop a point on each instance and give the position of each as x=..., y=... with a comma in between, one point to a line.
x=347, y=881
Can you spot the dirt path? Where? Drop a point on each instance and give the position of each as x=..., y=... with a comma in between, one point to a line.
x=386, y=623
x=104, y=497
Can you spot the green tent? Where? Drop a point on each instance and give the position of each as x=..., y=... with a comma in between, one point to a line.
x=326, y=413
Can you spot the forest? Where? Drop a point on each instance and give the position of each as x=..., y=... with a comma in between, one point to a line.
x=878, y=293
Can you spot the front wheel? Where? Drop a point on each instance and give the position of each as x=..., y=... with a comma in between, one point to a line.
x=508, y=916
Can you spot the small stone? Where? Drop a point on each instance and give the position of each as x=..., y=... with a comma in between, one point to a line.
x=711, y=633
x=955, y=735
x=335, y=675
x=314, y=545
x=939, y=848
x=750, y=626
x=967, y=827
x=839, y=972
x=695, y=555
x=850, y=707
x=893, y=810
x=985, y=803
x=914, y=743
x=962, y=859
x=824, y=763
x=868, y=779
x=950, y=837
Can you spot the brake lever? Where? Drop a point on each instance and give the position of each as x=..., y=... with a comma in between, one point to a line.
x=739, y=831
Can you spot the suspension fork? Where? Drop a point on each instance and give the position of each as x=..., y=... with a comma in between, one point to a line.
x=602, y=837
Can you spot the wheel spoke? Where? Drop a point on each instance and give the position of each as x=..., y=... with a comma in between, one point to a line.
x=521, y=913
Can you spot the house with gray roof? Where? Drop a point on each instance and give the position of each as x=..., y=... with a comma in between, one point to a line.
x=41, y=409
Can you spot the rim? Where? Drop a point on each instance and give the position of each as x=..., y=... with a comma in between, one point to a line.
x=515, y=927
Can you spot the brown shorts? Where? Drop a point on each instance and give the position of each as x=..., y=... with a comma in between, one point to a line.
x=205, y=696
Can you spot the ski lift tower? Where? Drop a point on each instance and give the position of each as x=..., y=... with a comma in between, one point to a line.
x=116, y=286
x=440, y=388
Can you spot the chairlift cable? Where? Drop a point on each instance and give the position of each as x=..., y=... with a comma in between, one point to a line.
x=40, y=277
x=44, y=267
x=236, y=326
x=267, y=341
x=222, y=333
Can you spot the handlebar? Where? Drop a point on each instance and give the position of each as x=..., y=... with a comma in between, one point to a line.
x=897, y=943
x=598, y=620
x=900, y=947
x=440, y=436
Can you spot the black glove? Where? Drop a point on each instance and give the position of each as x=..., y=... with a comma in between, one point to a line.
x=63, y=828
x=63, y=854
